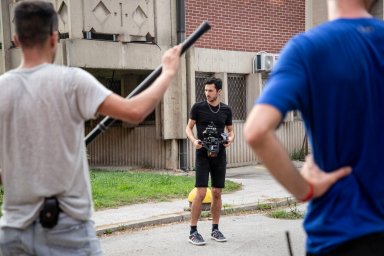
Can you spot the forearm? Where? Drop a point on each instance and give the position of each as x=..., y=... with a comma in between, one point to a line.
x=231, y=136
x=277, y=161
x=259, y=132
x=190, y=134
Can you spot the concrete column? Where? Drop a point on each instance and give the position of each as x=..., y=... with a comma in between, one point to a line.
x=190, y=73
x=308, y=14
x=6, y=35
x=165, y=22
x=76, y=18
x=316, y=12
x=191, y=99
x=254, y=86
x=172, y=155
x=174, y=106
x=378, y=10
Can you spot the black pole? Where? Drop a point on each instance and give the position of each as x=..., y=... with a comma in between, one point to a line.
x=289, y=243
x=107, y=121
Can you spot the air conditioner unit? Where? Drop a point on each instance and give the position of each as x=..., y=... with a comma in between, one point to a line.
x=264, y=61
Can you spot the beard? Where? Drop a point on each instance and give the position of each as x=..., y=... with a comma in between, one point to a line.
x=211, y=99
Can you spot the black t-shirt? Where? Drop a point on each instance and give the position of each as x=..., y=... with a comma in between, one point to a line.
x=203, y=116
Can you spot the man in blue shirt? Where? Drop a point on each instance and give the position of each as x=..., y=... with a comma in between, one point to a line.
x=334, y=75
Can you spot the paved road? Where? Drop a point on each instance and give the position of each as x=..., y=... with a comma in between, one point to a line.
x=253, y=234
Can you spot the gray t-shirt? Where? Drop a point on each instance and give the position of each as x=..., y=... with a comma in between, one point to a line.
x=42, y=149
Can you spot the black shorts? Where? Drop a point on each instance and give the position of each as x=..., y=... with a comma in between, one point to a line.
x=372, y=245
x=214, y=165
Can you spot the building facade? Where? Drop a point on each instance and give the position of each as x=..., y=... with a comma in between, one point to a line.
x=121, y=43
x=241, y=30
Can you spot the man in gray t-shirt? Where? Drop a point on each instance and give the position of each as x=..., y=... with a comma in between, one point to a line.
x=42, y=151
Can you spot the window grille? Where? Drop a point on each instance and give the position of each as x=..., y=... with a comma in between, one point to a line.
x=199, y=85
x=237, y=96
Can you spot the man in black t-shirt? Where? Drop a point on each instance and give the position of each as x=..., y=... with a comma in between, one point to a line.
x=211, y=118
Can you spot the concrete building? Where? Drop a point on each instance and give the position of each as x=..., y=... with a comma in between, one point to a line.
x=121, y=42
x=241, y=30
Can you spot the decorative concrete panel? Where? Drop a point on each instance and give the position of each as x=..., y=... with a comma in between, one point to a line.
x=133, y=20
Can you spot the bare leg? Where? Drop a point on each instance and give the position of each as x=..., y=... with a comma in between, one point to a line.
x=216, y=205
x=197, y=205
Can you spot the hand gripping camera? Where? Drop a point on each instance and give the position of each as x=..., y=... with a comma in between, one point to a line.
x=211, y=140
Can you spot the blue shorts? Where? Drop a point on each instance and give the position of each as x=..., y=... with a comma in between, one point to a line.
x=68, y=237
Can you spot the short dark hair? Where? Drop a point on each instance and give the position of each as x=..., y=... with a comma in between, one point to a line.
x=35, y=21
x=216, y=81
x=369, y=4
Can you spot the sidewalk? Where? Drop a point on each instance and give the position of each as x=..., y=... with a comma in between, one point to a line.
x=258, y=188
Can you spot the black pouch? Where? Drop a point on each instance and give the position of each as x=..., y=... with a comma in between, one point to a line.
x=49, y=215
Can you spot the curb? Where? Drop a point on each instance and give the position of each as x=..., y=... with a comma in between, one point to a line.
x=185, y=216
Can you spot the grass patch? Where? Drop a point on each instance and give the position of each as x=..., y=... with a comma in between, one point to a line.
x=227, y=206
x=291, y=214
x=205, y=214
x=298, y=155
x=118, y=188
x=264, y=207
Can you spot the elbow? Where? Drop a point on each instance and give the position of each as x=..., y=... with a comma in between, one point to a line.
x=136, y=117
x=260, y=126
x=137, y=120
x=255, y=134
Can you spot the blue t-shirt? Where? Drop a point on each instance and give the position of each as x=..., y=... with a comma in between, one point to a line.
x=334, y=75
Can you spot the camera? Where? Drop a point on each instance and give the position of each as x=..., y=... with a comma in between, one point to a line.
x=211, y=140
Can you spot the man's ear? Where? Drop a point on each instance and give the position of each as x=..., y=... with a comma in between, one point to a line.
x=16, y=41
x=54, y=38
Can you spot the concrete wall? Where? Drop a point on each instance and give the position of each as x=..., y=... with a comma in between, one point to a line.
x=129, y=20
x=316, y=12
x=140, y=32
x=239, y=30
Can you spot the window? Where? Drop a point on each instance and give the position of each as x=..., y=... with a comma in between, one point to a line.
x=130, y=82
x=122, y=84
x=237, y=96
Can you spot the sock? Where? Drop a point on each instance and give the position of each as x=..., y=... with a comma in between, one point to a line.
x=215, y=226
x=193, y=229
